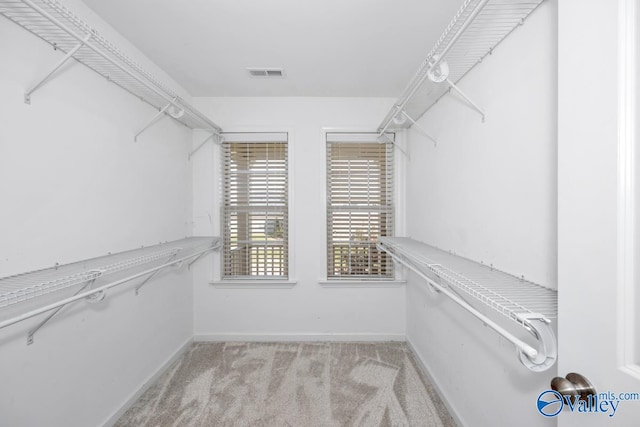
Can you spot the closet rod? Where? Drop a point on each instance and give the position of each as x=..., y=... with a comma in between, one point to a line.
x=528, y=304
x=100, y=289
x=521, y=345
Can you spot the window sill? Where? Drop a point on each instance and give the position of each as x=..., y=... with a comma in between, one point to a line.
x=351, y=283
x=253, y=284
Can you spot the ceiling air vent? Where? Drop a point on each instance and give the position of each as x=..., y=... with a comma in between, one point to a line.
x=276, y=73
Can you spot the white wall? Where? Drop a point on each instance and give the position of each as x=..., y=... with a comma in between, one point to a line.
x=74, y=185
x=307, y=310
x=488, y=192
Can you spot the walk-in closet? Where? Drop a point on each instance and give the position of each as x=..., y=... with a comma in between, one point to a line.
x=314, y=214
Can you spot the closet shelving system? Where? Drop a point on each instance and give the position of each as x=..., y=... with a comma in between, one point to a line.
x=529, y=305
x=476, y=29
x=66, y=32
x=30, y=294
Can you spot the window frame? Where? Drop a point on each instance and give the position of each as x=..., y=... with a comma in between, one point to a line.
x=398, y=202
x=262, y=282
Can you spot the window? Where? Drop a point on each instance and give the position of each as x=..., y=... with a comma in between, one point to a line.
x=359, y=205
x=255, y=206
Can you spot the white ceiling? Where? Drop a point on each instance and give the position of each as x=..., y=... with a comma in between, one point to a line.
x=361, y=48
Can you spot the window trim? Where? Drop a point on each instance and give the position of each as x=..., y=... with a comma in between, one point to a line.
x=362, y=283
x=399, y=185
x=253, y=284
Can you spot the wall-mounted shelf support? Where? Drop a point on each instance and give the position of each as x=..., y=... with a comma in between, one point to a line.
x=20, y=293
x=152, y=121
x=466, y=98
x=44, y=321
x=529, y=305
x=384, y=138
x=438, y=72
x=216, y=138
x=420, y=128
x=540, y=327
x=216, y=245
x=152, y=275
x=45, y=78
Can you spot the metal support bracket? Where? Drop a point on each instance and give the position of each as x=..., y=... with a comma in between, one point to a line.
x=217, y=139
x=384, y=138
x=466, y=98
x=194, y=261
x=153, y=120
x=44, y=321
x=420, y=128
x=153, y=274
x=547, y=352
x=43, y=80
x=213, y=248
x=439, y=72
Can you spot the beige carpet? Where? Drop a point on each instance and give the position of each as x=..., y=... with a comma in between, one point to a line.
x=291, y=384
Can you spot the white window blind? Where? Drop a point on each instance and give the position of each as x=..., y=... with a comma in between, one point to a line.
x=359, y=205
x=255, y=228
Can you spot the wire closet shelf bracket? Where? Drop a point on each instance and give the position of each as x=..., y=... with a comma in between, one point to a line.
x=66, y=32
x=30, y=294
x=525, y=303
x=476, y=29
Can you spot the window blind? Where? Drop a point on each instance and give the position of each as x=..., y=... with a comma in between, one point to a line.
x=359, y=206
x=255, y=229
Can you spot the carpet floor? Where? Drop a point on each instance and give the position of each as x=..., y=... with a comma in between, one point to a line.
x=291, y=385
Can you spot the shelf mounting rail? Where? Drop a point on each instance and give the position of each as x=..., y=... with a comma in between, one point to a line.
x=30, y=294
x=55, y=24
x=476, y=29
x=529, y=305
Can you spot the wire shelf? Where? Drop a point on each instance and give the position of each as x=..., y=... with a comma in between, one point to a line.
x=55, y=24
x=511, y=296
x=476, y=29
x=31, y=285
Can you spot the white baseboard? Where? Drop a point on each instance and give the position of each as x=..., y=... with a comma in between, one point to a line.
x=152, y=379
x=427, y=372
x=297, y=337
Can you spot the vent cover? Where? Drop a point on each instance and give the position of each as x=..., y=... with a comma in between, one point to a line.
x=277, y=73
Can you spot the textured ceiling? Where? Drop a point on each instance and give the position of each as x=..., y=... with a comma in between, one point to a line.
x=361, y=48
